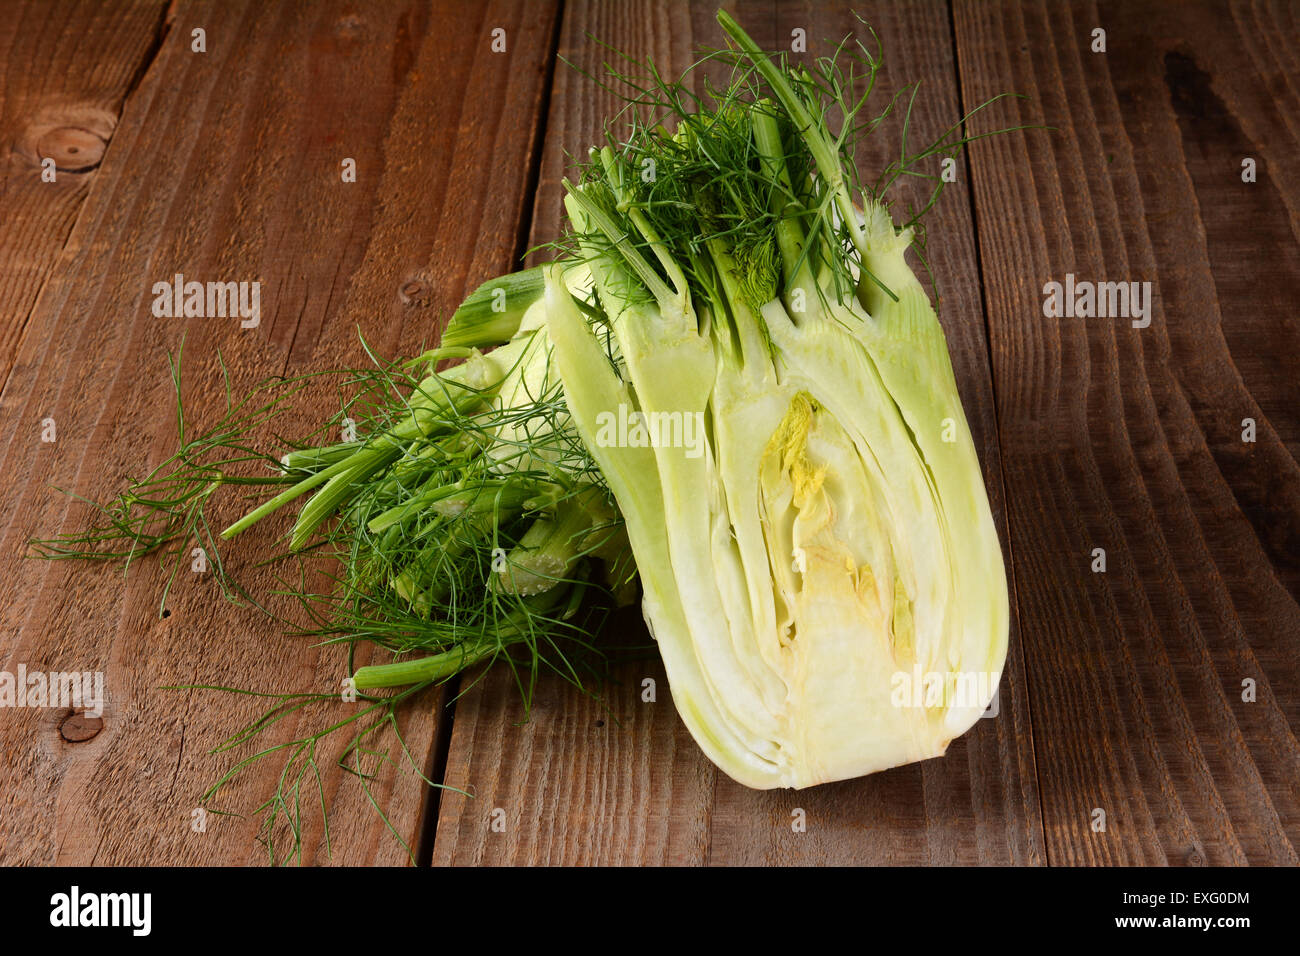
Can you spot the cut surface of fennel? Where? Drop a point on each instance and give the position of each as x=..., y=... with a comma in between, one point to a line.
x=825, y=582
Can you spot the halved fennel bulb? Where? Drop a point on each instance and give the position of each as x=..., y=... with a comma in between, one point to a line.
x=824, y=582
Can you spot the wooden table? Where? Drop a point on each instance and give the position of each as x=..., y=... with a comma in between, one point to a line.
x=1123, y=691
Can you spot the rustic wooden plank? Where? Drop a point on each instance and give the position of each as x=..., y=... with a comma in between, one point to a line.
x=581, y=780
x=1130, y=439
x=580, y=785
x=227, y=166
x=68, y=67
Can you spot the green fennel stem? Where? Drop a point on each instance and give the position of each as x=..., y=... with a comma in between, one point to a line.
x=437, y=667
x=828, y=161
x=423, y=419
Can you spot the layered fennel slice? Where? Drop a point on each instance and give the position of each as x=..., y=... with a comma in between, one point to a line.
x=825, y=581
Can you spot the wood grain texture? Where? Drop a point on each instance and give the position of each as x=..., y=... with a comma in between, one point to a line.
x=1131, y=439
x=67, y=69
x=226, y=165
x=629, y=786
x=1122, y=691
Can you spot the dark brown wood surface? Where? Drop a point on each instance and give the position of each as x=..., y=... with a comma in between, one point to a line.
x=1131, y=439
x=1123, y=690
x=227, y=163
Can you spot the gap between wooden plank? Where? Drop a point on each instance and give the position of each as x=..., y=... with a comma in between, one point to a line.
x=150, y=56
x=451, y=689
x=963, y=111
x=646, y=792
x=379, y=300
